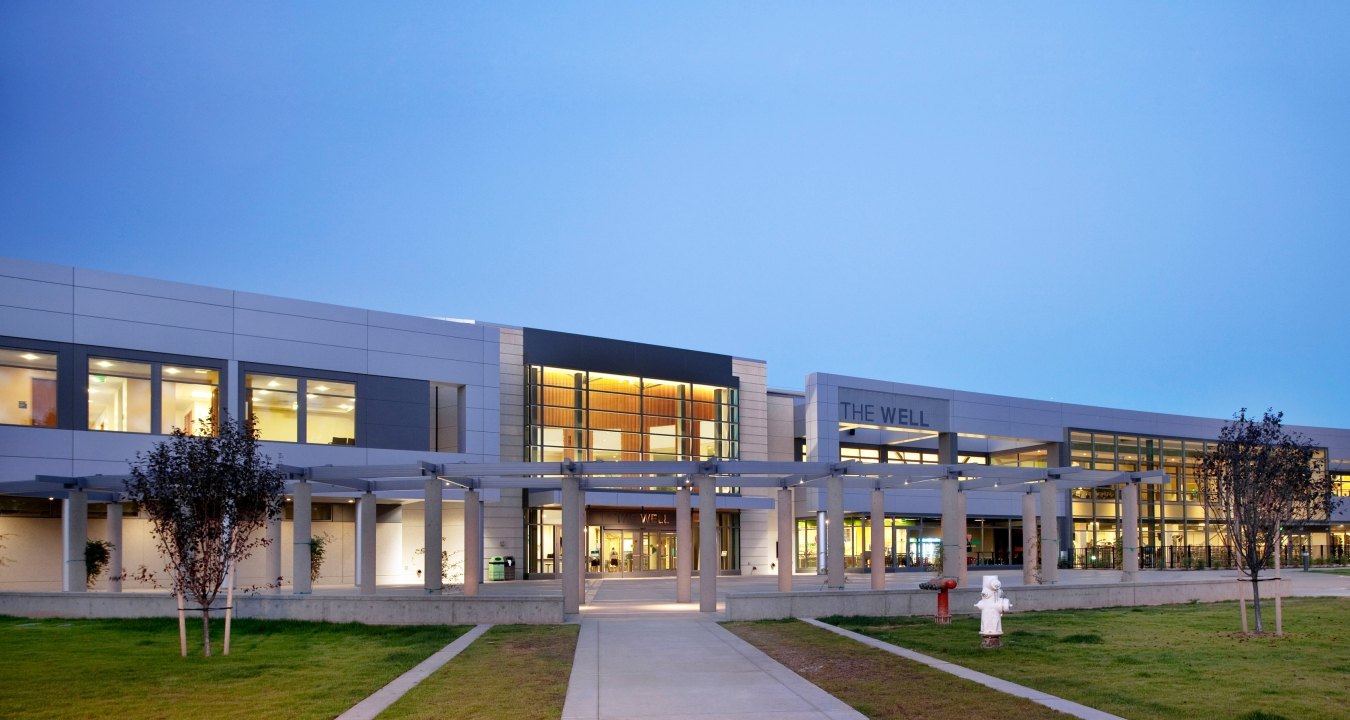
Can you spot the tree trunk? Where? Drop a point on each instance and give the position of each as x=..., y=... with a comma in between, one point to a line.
x=205, y=630
x=1256, y=602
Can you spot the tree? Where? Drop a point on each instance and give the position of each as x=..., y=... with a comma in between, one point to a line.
x=97, y=553
x=207, y=497
x=1257, y=478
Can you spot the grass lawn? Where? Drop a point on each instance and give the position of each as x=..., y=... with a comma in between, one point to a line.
x=879, y=684
x=132, y=669
x=513, y=671
x=1334, y=571
x=1179, y=661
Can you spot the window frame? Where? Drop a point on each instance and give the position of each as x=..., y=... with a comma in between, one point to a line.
x=82, y=354
x=303, y=377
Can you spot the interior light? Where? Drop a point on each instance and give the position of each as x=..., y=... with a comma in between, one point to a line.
x=51, y=498
x=322, y=388
x=172, y=370
x=351, y=501
x=30, y=356
x=200, y=372
x=264, y=392
x=273, y=383
x=344, y=408
x=295, y=406
x=105, y=364
x=310, y=396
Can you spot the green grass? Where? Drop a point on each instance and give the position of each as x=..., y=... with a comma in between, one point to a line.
x=878, y=684
x=132, y=668
x=1168, y=662
x=513, y=671
x=1333, y=571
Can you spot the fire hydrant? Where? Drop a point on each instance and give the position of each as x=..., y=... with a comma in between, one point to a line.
x=942, y=585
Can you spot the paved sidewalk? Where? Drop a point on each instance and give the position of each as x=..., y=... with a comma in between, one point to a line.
x=634, y=668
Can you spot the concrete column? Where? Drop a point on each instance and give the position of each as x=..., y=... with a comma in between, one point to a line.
x=707, y=540
x=1029, y=542
x=1049, y=535
x=834, y=532
x=581, y=540
x=964, y=575
x=433, y=524
x=1129, y=532
x=473, y=542
x=114, y=532
x=684, y=546
x=572, y=561
x=878, y=539
x=365, y=544
x=953, y=529
x=272, y=555
x=74, y=536
x=301, y=507
x=786, y=538
x=947, y=448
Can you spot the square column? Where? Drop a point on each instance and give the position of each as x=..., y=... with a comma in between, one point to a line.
x=113, y=530
x=473, y=543
x=1129, y=532
x=432, y=526
x=301, y=532
x=1029, y=542
x=573, y=572
x=684, y=546
x=74, y=536
x=953, y=530
x=878, y=539
x=834, y=532
x=1049, y=535
x=707, y=540
x=786, y=561
x=365, y=544
x=272, y=554
x=584, y=559
x=964, y=576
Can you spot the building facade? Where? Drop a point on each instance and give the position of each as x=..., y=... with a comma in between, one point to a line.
x=96, y=367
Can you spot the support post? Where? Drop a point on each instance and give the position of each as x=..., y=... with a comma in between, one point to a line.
x=878, y=548
x=365, y=544
x=1049, y=535
x=584, y=559
x=433, y=525
x=301, y=533
x=473, y=542
x=786, y=516
x=707, y=540
x=953, y=529
x=74, y=536
x=572, y=561
x=113, y=530
x=1030, y=545
x=1129, y=537
x=272, y=556
x=834, y=532
x=963, y=577
x=684, y=546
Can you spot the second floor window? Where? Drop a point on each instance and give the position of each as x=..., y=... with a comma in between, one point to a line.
x=27, y=387
x=144, y=397
x=302, y=409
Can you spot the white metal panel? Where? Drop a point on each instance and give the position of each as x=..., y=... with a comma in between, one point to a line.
x=35, y=294
x=425, y=344
x=85, y=277
x=301, y=308
x=37, y=324
x=152, y=310
x=299, y=354
x=156, y=338
x=300, y=328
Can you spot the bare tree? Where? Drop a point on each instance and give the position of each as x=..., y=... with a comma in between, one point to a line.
x=207, y=497
x=1257, y=478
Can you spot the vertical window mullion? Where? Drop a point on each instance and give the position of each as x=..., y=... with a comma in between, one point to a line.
x=157, y=392
x=301, y=416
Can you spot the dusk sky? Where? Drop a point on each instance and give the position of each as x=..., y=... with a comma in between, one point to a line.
x=1142, y=205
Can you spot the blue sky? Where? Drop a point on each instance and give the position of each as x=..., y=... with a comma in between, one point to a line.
x=1139, y=205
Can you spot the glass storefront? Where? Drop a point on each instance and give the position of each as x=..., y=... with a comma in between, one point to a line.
x=627, y=542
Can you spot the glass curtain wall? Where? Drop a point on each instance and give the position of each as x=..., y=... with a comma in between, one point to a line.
x=1175, y=530
x=587, y=416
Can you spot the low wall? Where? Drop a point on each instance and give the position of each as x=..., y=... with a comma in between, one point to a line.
x=371, y=610
x=893, y=603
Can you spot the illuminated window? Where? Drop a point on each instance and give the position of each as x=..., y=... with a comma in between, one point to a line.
x=124, y=396
x=282, y=406
x=27, y=387
x=601, y=416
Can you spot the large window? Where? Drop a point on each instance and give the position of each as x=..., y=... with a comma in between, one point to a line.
x=27, y=387
x=136, y=396
x=302, y=409
x=599, y=416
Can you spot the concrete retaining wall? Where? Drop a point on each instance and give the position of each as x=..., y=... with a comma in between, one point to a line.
x=377, y=610
x=772, y=606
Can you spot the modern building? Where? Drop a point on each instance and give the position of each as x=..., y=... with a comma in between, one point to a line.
x=96, y=367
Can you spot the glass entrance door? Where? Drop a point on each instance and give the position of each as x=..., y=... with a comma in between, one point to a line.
x=616, y=551
x=658, y=550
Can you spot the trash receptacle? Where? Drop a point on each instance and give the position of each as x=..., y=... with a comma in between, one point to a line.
x=497, y=568
x=1307, y=560
x=510, y=567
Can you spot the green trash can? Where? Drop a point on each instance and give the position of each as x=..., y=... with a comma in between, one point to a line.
x=497, y=568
